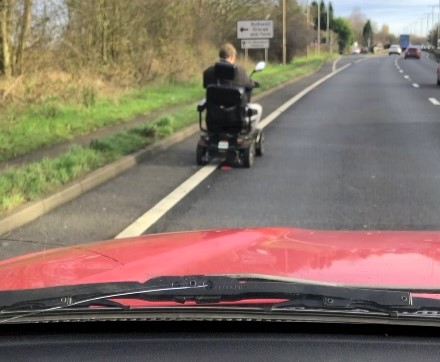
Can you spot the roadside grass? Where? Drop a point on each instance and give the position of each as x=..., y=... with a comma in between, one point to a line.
x=278, y=74
x=19, y=185
x=22, y=184
x=51, y=122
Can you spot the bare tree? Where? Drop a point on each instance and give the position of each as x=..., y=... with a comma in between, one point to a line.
x=5, y=36
x=138, y=39
x=24, y=30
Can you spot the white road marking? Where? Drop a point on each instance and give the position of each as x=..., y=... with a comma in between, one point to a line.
x=335, y=63
x=143, y=223
x=401, y=71
x=415, y=85
x=271, y=117
x=166, y=204
x=406, y=76
x=434, y=101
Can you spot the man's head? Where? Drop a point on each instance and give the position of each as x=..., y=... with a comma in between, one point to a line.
x=228, y=52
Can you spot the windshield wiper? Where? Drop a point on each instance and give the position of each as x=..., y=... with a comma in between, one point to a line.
x=198, y=289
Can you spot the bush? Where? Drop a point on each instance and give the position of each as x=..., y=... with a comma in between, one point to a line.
x=88, y=96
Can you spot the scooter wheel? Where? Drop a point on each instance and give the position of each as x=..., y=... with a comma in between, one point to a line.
x=259, y=149
x=202, y=155
x=249, y=156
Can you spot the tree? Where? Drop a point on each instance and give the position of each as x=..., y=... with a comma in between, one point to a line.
x=138, y=39
x=5, y=36
x=385, y=37
x=24, y=30
x=357, y=22
x=367, y=34
x=345, y=34
x=433, y=36
x=331, y=14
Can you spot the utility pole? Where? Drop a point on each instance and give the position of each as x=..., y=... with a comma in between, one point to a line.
x=432, y=8
x=319, y=27
x=284, y=32
x=427, y=25
x=327, y=38
x=438, y=26
x=308, y=24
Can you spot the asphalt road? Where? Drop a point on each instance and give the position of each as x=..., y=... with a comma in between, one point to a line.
x=361, y=151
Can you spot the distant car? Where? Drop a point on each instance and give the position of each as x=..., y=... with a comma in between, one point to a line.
x=438, y=75
x=413, y=52
x=356, y=51
x=395, y=49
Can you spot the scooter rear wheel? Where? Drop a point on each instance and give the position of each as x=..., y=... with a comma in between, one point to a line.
x=259, y=149
x=249, y=156
x=202, y=155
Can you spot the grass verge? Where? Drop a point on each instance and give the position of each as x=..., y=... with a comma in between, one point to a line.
x=19, y=185
x=52, y=122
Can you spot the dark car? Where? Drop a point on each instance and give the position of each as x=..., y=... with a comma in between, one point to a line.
x=413, y=52
x=438, y=75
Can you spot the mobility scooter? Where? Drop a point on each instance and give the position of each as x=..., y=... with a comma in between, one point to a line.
x=228, y=130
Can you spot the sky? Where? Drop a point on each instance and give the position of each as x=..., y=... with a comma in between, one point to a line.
x=400, y=15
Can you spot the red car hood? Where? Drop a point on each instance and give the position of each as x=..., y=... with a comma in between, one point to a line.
x=363, y=258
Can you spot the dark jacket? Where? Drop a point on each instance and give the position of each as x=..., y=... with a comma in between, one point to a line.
x=241, y=78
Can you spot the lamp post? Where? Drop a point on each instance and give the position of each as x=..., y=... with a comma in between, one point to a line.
x=319, y=28
x=284, y=32
x=438, y=26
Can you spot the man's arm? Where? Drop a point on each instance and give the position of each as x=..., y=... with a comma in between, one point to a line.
x=242, y=79
x=208, y=77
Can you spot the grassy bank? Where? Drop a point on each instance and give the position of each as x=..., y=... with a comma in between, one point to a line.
x=53, y=122
x=31, y=182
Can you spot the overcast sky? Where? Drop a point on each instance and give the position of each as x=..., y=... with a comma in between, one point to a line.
x=398, y=14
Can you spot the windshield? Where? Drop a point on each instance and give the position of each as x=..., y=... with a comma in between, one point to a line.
x=292, y=140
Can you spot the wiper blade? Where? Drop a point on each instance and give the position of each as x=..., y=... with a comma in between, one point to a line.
x=225, y=288
x=198, y=289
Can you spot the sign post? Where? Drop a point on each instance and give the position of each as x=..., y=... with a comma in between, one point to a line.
x=255, y=34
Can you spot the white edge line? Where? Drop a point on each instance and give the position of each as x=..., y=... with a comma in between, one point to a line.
x=434, y=101
x=271, y=117
x=144, y=222
x=335, y=63
x=167, y=203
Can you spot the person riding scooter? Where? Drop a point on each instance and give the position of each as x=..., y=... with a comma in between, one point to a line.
x=228, y=53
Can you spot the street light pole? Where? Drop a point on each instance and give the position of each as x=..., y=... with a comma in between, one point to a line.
x=327, y=39
x=438, y=26
x=319, y=27
x=307, y=24
x=284, y=32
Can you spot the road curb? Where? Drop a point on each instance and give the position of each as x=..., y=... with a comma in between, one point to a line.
x=33, y=210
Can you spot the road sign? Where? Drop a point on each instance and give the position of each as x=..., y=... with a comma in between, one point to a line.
x=255, y=29
x=255, y=44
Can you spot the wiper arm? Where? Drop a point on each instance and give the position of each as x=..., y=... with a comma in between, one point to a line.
x=199, y=289
x=225, y=288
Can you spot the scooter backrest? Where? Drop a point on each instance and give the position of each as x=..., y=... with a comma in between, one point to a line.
x=225, y=109
x=224, y=71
